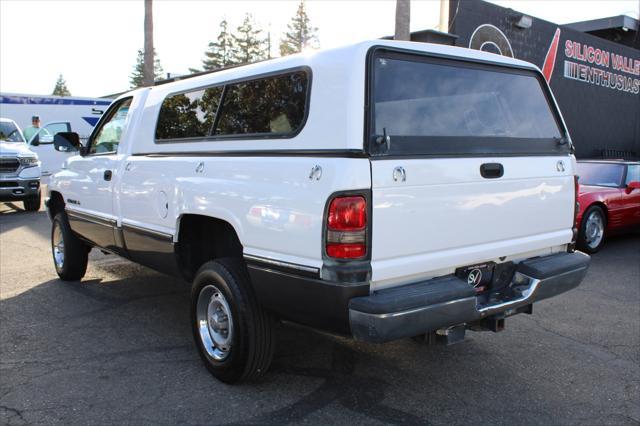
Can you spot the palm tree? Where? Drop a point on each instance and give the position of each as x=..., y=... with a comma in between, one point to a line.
x=403, y=13
x=148, y=43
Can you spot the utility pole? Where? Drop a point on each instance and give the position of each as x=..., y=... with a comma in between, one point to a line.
x=403, y=18
x=148, y=69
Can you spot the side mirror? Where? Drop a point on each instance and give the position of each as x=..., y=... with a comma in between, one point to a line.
x=631, y=186
x=36, y=140
x=66, y=142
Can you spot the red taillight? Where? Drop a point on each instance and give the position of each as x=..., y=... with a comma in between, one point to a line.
x=346, y=228
x=346, y=251
x=347, y=214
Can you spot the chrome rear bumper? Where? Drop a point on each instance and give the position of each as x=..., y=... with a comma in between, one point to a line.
x=448, y=301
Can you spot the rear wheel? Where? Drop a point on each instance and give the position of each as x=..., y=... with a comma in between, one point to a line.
x=70, y=254
x=32, y=203
x=234, y=335
x=591, y=234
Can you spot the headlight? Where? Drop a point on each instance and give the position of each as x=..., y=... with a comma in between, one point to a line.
x=28, y=161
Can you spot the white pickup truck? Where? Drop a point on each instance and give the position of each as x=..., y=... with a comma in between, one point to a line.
x=381, y=190
x=19, y=168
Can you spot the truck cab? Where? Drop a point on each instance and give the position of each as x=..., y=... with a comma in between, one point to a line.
x=382, y=190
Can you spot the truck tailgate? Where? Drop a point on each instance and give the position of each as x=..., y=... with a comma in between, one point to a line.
x=446, y=215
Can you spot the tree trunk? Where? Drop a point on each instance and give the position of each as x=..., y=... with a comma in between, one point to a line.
x=403, y=17
x=149, y=75
x=444, y=16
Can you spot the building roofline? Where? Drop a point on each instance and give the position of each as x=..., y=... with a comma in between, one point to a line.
x=612, y=22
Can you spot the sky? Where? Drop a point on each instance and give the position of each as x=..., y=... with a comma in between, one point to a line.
x=94, y=44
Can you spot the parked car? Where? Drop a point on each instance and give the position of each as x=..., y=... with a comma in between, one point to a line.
x=19, y=168
x=609, y=200
x=42, y=144
x=383, y=190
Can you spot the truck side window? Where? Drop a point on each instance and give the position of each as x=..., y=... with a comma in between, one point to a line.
x=107, y=138
x=274, y=105
x=633, y=174
x=46, y=134
x=264, y=106
x=188, y=115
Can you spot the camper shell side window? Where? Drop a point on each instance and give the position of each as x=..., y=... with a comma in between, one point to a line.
x=268, y=106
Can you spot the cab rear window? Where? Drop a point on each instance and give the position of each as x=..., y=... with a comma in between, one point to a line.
x=441, y=106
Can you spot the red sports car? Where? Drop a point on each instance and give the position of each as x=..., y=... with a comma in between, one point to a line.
x=609, y=198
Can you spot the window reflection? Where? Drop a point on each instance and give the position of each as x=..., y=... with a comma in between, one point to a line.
x=273, y=105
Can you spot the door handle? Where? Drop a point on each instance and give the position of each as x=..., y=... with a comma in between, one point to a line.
x=491, y=170
x=107, y=174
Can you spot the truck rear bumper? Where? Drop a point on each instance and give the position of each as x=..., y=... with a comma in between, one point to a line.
x=444, y=302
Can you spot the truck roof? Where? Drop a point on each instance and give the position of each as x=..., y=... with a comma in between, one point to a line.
x=344, y=56
x=338, y=80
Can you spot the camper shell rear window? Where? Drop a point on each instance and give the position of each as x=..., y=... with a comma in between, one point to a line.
x=267, y=106
x=439, y=106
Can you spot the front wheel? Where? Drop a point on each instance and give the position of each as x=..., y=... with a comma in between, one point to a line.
x=591, y=233
x=32, y=203
x=234, y=335
x=70, y=254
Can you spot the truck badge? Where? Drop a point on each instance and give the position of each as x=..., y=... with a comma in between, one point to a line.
x=474, y=278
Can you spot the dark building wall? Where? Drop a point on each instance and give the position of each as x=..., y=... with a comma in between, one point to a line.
x=598, y=117
x=628, y=38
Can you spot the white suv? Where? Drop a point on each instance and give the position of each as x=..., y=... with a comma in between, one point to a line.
x=381, y=190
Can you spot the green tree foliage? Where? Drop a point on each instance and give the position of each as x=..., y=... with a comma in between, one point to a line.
x=270, y=105
x=267, y=105
x=221, y=52
x=300, y=33
x=61, y=87
x=188, y=115
x=250, y=45
x=136, y=79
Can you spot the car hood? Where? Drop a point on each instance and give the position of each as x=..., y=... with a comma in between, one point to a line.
x=15, y=148
x=588, y=189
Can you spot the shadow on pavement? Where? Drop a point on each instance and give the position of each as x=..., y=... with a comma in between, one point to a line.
x=119, y=350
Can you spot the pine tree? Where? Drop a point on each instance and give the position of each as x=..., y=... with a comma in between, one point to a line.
x=136, y=79
x=300, y=34
x=250, y=45
x=61, y=87
x=220, y=53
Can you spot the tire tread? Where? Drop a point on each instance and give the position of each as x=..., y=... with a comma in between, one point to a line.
x=76, y=255
x=259, y=323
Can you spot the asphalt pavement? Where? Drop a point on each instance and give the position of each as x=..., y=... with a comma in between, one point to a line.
x=117, y=349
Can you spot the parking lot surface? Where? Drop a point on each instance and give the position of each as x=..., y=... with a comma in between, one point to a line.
x=117, y=349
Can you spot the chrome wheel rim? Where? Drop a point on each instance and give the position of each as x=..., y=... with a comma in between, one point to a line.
x=214, y=322
x=594, y=230
x=57, y=243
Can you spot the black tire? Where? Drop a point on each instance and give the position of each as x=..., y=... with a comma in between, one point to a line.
x=251, y=339
x=75, y=253
x=32, y=203
x=585, y=241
